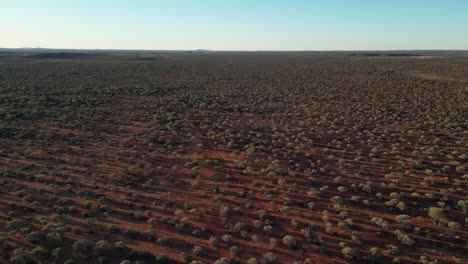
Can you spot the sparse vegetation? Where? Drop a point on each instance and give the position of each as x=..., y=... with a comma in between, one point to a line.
x=233, y=158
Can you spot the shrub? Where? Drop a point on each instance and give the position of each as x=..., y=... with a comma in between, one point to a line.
x=269, y=257
x=54, y=239
x=131, y=233
x=392, y=249
x=153, y=222
x=262, y=214
x=350, y=253
x=428, y=260
x=227, y=238
x=197, y=250
x=16, y=224
x=102, y=248
x=308, y=234
x=463, y=205
x=436, y=214
x=22, y=256
x=82, y=246
x=113, y=228
x=119, y=244
x=273, y=242
x=336, y=200
x=454, y=226
x=378, y=221
x=349, y=222
x=214, y=241
x=33, y=237
x=254, y=238
x=222, y=261
x=40, y=253
x=162, y=259
x=402, y=206
x=224, y=212
x=403, y=237
x=56, y=253
x=290, y=241
x=252, y=261
x=404, y=220
x=238, y=227
x=374, y=253
x=234, y=251
x=163, y=241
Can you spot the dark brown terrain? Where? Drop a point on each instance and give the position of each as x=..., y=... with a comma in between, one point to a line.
x=300, y=157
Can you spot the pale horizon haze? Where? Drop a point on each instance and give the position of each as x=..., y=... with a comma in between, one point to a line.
x=235, y=25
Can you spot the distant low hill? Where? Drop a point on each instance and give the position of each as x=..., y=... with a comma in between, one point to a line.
x=366, y=54
x=61, y=55
x=144, y=58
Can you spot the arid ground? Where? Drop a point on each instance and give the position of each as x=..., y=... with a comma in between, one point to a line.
x=233, y=157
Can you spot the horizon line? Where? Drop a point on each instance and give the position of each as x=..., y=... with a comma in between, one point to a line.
x=227, y=50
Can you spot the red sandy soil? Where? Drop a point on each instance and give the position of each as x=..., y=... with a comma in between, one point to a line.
x=91, y=143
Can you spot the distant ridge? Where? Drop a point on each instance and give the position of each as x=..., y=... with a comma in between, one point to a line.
x=213, y=51
x=61, y=55
x=364, y=54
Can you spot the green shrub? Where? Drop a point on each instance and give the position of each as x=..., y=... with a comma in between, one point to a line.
x=234, y=251
x=252, y=261
x=197, y=250
x=40, y=253
x=222, y=261
x=350, y=253
x=162, y=259
x=163, y=241
x=290, y=241
x=16, y=224
x=102, y=248
x=22, y=256
x=374, y=253
x=214, y=241
x=437, y=214
x=82, y=246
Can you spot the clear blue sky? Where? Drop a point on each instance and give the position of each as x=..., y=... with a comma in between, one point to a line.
x=235, y=25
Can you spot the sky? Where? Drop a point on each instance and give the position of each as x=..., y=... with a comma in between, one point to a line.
x=235, y=25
